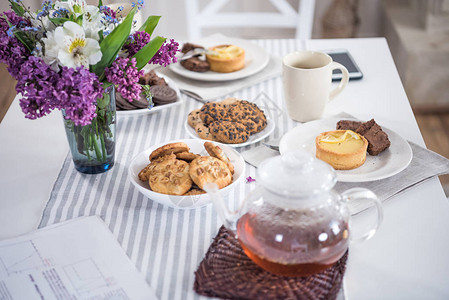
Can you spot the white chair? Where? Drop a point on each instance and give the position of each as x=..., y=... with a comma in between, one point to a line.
x=285, y=17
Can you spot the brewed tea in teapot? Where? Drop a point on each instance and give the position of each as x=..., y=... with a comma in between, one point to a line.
x=293, y=223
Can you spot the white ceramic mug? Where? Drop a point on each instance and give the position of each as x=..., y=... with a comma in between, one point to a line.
x=307, y=78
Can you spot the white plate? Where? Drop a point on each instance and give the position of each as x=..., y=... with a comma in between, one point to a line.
x=156, y=108
x=183, y=202
x=254, y=138
x=256, y=58
x=388, y=163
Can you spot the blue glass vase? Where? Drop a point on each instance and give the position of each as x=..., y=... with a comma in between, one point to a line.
x=93, y=146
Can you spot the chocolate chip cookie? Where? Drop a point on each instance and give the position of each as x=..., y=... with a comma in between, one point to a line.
x=249, y=115
x=212, y=111
x=229, y=132
x=194, y=118
x=203, y=132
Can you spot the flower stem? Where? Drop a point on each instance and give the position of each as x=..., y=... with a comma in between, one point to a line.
x=103, y=147
x=95, y=144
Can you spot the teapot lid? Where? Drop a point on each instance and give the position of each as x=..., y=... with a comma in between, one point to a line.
x=296, y=173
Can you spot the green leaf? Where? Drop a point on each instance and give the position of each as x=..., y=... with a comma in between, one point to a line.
x=58, y=21
x=148, y=51
x=112, y=44
x=79, y=20
x=17, y=8
x=25, y=40
x=100, y=3
x=150, y=24
x=100, y=34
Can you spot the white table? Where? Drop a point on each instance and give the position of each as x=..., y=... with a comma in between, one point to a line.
x=406, y=259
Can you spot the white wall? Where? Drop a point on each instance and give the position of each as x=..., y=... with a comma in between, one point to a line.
x=173, y=21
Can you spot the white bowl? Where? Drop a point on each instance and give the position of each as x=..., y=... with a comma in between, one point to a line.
x=183, y=202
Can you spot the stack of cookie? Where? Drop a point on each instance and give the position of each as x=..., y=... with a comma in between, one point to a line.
x=230, y=121
x=161, y=94
x=174, y=170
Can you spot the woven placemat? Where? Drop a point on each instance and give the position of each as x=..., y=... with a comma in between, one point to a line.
x=226, y=272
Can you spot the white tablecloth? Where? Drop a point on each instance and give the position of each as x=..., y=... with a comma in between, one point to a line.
x=406, y=259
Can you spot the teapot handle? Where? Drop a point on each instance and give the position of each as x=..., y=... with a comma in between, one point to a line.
x=228, y=217
x=353, y=197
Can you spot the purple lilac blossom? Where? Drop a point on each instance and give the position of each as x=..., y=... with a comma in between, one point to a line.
x=107, y=11
x=249, y=179
x=166, y=54
x=12, y=52
x=136, y=41
x=124, y=74
x=36, y=83
x=76, y=92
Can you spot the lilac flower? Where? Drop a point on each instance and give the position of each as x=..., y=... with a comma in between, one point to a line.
x=36, y=82
x=124, y=74
x=107, y=11
x=12, y=52
x=249, y=179
x=76, y=92
x=136, y=42
x=166, y=54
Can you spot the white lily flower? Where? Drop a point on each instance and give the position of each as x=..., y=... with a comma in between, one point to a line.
x=44, y=21
x=51, y=51
x=92, y=22
x=75, y=48
x=76, y=7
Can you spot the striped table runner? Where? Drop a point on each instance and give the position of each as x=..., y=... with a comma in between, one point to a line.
x=165, y=244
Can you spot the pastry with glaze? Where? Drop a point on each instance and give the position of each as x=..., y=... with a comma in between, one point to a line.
x=226, y=58
x=342, y=149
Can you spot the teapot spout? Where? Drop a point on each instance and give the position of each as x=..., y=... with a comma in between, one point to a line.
x=228, y=218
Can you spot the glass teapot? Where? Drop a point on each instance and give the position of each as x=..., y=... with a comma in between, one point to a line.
x=294, y=223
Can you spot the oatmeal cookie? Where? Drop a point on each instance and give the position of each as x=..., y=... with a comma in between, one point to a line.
x=194, y=118
x=249, y=114
x=144, y=174
x=229, y=132
x=195, y=191
x=186, y=156
x=169, y=149
x=171, y=177
x=217, y=152
x=212, y=111
x=206, y=169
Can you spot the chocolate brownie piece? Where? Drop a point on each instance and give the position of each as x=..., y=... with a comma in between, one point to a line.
x=348, y=125
x=377, y=139
x=189, y=47
x=196, y=65
x=151, y=78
